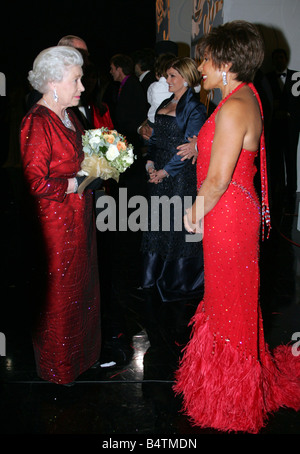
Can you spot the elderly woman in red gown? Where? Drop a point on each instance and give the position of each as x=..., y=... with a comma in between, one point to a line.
x=66, y=335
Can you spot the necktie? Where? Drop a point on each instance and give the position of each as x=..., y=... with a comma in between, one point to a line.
x=281, y=80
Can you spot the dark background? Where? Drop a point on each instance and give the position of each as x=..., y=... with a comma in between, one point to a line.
x=107, y=26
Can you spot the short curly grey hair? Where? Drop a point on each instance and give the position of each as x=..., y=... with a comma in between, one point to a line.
x=51, y=65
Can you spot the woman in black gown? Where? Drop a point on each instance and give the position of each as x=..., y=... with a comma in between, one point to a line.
x=173, y=265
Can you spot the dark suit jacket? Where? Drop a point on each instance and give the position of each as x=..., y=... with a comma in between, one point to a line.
x=147, y=80
x=190, y=117
x=131, y=110
x=284, y=100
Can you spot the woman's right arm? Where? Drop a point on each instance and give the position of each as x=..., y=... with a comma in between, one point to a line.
x=230, y=130
x=36, y=151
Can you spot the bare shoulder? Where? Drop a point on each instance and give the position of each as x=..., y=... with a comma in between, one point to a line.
x=241, y=106
x=240, y=117
x=231, y=114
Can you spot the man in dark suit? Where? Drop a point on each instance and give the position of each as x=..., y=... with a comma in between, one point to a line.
x=131, y=103
x=284, y=131
x=144, y=67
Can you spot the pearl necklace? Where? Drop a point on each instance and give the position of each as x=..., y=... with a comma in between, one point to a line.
x=66, y=120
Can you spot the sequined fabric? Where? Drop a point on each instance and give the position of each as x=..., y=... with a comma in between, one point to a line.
x=170, y=261
x=230, y=244
x=228, y=378
x=66, y=335
x=170, y=243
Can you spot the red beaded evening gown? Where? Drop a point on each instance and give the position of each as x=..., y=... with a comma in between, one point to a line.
x=227, y=377
x=66, y=336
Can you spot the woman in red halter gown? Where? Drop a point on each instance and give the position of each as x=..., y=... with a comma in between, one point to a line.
x=228, y=378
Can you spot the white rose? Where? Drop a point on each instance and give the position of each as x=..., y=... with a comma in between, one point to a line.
x=112, y=152
x=94, y=140
x=128, y=159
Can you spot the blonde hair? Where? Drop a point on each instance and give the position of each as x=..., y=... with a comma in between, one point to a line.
x=187, y=68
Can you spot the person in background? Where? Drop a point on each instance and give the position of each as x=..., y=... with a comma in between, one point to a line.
x=128, y=108
x=131, y=104
x=144, y=61
x=66, y=329
x=172, y=270
x=228, y=378
x=284, y=132
x=74, y=41
x=166, y=47
x=157, y=92
x=92, y=112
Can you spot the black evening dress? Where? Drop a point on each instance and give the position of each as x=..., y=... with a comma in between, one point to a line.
x=172, y=258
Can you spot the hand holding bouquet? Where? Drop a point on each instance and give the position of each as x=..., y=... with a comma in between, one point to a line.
x=107, y=154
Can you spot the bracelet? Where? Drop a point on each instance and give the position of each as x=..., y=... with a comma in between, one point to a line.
x=149, y=165
x=166, y=173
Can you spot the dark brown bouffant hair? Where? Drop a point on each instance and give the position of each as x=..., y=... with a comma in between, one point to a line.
x=239, y=43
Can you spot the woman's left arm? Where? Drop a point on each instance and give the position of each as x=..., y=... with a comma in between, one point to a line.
x=195, y=121
x=188, y=150
x=191, y=128
x=230, y=130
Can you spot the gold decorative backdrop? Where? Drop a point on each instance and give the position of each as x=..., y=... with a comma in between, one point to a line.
x=206, y=14
x=162, y=20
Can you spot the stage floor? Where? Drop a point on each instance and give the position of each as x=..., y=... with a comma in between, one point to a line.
x=135, y=396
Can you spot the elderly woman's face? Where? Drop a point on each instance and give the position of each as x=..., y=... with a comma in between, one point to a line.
x=70, y=87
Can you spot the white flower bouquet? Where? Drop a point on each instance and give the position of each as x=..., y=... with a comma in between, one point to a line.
x=107, y=154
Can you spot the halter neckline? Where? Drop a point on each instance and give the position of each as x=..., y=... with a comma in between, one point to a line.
x=242, y=84
x=263, y=161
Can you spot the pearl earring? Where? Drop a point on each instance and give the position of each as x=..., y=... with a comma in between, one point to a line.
x=185, y=84
x=55, y=97
x=224, y=78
